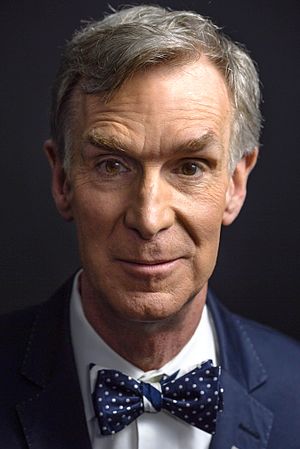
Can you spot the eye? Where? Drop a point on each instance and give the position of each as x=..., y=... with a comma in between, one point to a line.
x=111, y=167
x=190, y=168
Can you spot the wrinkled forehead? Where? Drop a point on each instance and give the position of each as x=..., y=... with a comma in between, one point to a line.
x=163, y=102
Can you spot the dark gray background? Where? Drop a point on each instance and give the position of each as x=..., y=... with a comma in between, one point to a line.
x=258, y=269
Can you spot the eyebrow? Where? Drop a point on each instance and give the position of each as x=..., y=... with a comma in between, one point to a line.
x=208, y=139
x=105, y=143
x=113, y=144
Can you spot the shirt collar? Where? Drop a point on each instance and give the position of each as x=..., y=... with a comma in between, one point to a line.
x=89, y=347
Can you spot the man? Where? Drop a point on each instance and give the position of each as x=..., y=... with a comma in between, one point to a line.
x=155, y=127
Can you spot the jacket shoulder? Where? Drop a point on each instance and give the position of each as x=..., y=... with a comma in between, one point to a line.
x=271, y=347
x=274, y=348
x=15, y=328
x=18, y=328
x=249, y=348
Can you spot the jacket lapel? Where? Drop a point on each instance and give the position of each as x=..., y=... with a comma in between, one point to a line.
x=54, y=416
x=245, y=423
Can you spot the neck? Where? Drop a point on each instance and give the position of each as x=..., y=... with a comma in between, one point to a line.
x=147, y=345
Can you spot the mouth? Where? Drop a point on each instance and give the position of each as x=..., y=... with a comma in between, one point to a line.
x=145, y=268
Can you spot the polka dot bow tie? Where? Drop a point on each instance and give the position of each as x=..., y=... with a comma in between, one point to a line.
x=195, y=398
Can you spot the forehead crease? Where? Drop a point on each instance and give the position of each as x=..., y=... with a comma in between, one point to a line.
x=148, y=115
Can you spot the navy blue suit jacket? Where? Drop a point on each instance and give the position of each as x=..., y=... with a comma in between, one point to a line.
x=41, y=405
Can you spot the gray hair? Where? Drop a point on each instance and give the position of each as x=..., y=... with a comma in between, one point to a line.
x=104, y=54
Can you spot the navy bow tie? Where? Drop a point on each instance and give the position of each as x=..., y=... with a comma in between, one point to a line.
x=195, y=398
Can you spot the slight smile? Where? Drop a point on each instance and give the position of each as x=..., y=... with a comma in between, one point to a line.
x=147, y=268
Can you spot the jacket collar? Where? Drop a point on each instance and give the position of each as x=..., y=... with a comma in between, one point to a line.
x=54, y=416
x=245, y=422
x=237, y=353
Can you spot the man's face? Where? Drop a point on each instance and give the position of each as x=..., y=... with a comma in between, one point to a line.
x=148, y=188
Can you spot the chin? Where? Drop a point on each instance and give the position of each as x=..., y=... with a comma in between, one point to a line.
x=152, y=307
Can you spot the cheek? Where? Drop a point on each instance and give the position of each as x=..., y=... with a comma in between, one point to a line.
x=96, y=214
x=206, y=213
x=95, y=220
x=206, y=225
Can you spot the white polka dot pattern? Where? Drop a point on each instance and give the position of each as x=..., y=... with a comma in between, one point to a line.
x=195, y=398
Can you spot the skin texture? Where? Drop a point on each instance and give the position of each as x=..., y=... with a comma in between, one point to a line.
x=149, y=189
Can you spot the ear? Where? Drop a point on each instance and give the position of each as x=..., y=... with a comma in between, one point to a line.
x=237, y=189
x=61, y=189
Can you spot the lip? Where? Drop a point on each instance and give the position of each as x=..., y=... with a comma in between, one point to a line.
x=148, y=268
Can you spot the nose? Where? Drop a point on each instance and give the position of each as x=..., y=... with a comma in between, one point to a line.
x=149, y=211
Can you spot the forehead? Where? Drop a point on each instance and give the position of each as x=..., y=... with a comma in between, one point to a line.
x=160, y=106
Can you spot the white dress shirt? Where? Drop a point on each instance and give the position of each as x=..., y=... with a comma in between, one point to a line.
x=150, y=430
